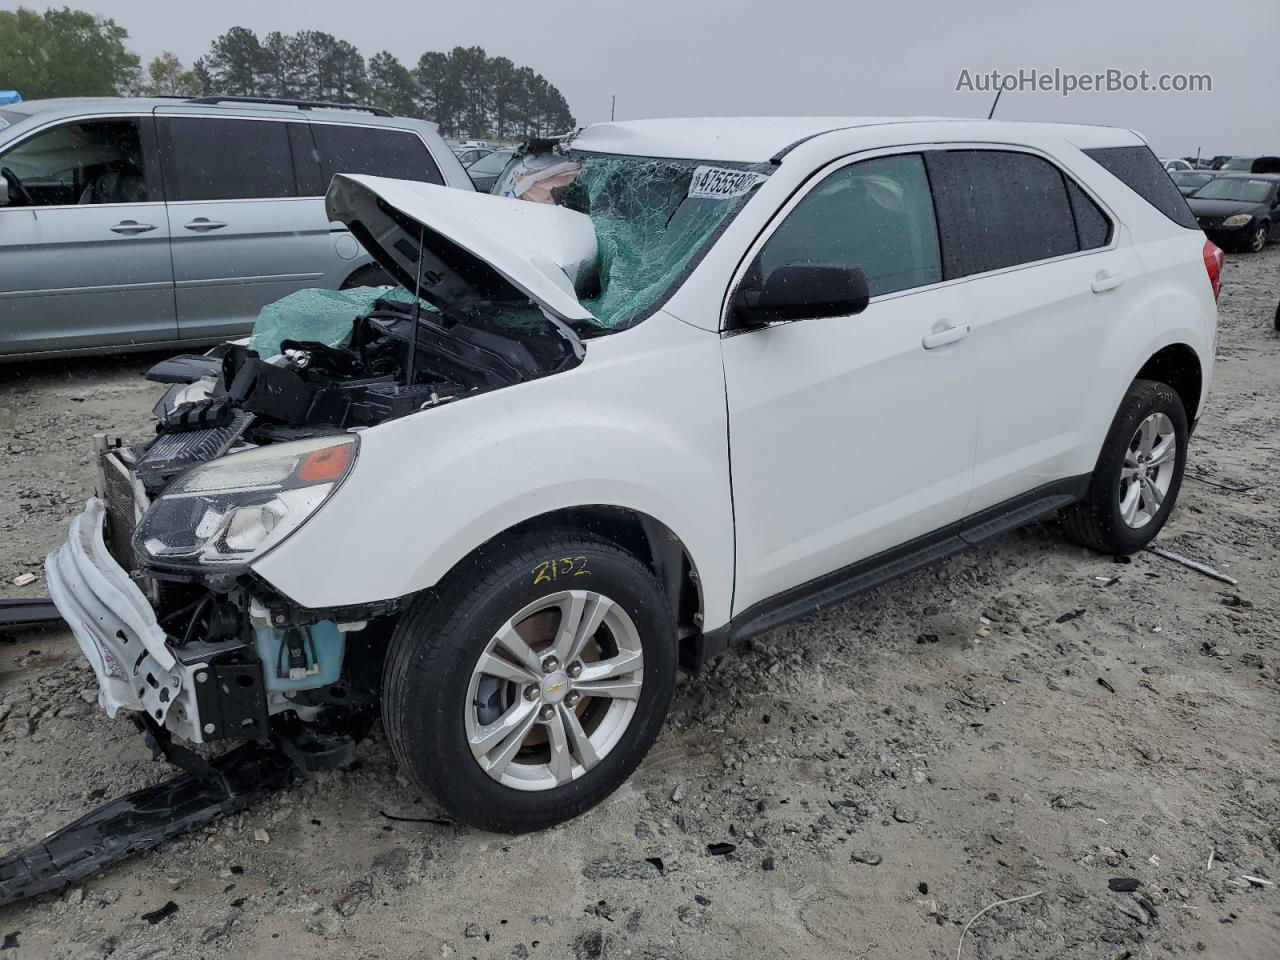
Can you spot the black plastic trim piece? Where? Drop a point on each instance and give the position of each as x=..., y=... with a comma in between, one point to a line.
x=141, y=820
x=33, y=613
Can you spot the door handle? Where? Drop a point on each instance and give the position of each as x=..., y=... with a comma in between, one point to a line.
x=943, y=333
x=131, y=226
x=1104, y=281
x=204, y=225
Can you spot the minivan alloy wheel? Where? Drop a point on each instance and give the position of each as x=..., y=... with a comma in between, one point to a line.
x=1148, y=470
x=554, y=690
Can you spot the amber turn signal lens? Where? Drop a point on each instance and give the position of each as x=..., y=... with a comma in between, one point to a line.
x=325, y=466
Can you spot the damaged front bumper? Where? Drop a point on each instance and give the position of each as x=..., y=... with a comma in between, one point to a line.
x=113, y=622
x=136, y=667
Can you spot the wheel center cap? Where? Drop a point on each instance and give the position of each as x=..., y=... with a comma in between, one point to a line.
x=555, y=687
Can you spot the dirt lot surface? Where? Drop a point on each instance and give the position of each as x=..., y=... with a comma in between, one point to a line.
x=1025, y=720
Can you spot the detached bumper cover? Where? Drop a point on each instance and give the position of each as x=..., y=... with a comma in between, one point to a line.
x=112, y=621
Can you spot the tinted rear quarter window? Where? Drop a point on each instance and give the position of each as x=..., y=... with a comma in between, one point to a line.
x=214, y=159
x=346, y=148
x=998, y=209
x=1093, y=229
x=1142, y=173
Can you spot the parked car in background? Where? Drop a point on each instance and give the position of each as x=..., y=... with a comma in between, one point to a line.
x=1252, y=165
x=484, y=172
x=728, y=372
x=469, y=155
x=1239, y=211
x=1175, y=164
x=1189, y=181
x=130, y=224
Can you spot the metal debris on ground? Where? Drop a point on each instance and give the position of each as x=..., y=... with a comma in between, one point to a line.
x=1224, y=485
x=991, y=906
x=1196, y=565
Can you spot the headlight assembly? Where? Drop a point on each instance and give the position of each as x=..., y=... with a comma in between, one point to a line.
x=1237, y=220
x=228, y=512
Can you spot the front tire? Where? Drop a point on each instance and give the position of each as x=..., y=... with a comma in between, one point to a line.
x=1138, y=475
x=530, y=684
x=1258, y=238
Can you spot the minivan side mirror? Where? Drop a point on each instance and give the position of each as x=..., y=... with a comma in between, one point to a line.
x=799, y=291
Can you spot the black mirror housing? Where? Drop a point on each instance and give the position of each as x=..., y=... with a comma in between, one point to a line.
x=799, y=291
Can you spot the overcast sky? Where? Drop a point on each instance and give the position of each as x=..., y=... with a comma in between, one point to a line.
x=707, y=57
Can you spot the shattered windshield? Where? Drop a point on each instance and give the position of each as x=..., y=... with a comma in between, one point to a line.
x=654, y=220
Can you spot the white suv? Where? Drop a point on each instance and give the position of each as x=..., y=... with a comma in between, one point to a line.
x=688, y=381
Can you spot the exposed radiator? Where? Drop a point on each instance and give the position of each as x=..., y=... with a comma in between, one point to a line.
x=122, y=508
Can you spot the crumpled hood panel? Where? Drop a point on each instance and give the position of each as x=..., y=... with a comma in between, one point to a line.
x=477, y=248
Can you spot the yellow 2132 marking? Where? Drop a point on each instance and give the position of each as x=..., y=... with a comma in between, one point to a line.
x=560, y=567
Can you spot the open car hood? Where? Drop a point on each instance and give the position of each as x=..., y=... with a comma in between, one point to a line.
x=478, y=251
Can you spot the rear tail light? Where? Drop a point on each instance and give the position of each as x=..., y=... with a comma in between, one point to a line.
x=1213, y=265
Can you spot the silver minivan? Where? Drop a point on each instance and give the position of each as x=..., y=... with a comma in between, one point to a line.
x=137, y=224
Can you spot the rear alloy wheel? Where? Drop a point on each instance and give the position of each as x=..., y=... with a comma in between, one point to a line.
x=1258, y=239
x=1147, y=474
x=530, y=683
x=1138, y=475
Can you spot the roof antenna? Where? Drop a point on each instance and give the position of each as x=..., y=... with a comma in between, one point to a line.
x=417, y=308
x=996, y=102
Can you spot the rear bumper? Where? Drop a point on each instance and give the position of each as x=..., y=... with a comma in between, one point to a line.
x=117, y=630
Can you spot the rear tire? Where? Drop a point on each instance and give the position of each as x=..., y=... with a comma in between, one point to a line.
x=469, y=661
x=1137, y=478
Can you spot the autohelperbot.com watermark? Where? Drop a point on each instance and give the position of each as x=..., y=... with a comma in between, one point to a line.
x=1065, y=82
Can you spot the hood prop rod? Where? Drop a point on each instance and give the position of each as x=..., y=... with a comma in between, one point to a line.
x=417, y=312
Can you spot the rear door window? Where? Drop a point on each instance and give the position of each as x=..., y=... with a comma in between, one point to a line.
x=215, y=159
x=347, y=148
x=999, y=208
x=875, y=215
x=1143, y=174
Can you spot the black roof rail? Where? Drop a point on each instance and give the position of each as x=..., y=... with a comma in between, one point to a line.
x=300, y=104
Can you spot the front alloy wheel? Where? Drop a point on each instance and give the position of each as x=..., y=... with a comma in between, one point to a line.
x=555, y=690
x=1258, y=239
x=529, y=684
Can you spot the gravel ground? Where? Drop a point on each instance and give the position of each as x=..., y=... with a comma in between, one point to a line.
x=1024, y=720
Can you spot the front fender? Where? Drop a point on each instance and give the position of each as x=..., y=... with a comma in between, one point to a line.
x=640, y=424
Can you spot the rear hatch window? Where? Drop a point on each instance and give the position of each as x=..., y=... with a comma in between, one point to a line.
x=1147, y=177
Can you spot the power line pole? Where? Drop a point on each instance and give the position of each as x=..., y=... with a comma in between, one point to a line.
x=613, y=102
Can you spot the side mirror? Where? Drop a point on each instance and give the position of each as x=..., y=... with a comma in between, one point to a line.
x=799, y=291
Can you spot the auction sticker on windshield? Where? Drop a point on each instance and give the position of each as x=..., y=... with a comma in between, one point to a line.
x=719, y=183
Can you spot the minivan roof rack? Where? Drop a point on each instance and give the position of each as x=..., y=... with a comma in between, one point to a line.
x=300, y=104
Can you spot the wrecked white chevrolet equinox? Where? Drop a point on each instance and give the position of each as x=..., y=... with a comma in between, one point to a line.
x=677, y=383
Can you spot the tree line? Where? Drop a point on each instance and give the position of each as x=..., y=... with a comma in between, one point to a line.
x=467, y=92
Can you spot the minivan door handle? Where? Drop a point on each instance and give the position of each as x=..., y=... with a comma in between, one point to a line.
x=204, y=225
x=944, y=332
x=131, y=226
x=1104, y=281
